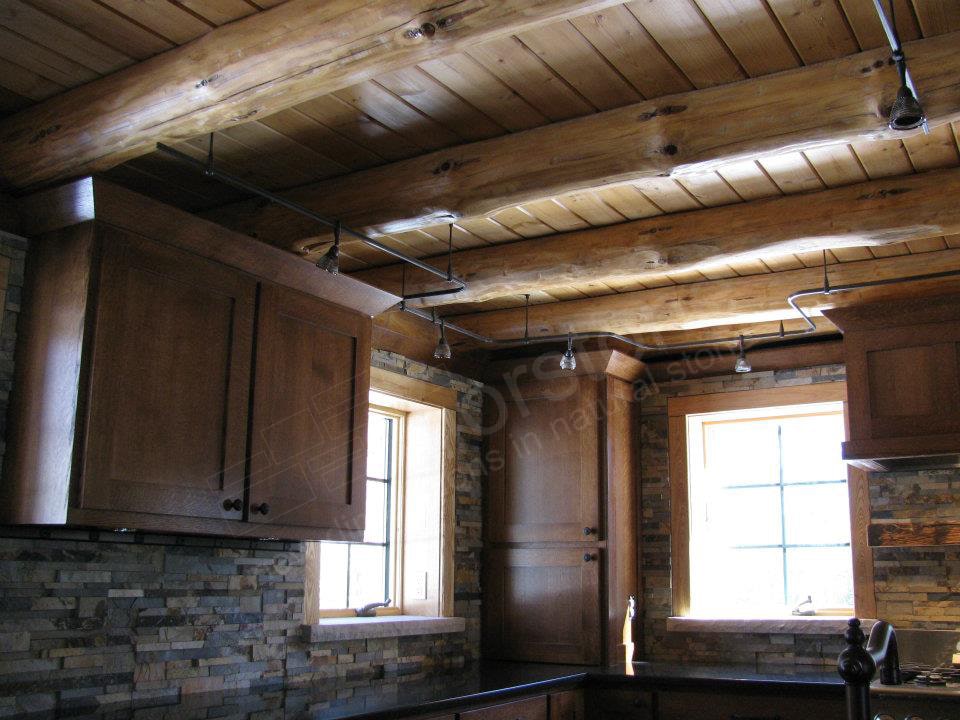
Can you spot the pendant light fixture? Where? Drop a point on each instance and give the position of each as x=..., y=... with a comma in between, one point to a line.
x=568, y=361
x=906, y=113
x=331, y=258
x=742, y=365
x=442, y=351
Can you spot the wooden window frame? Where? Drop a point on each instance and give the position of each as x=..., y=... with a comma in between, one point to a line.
x=407, y=395
x=679, y=408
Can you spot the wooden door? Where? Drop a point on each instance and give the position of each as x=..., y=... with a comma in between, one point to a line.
x=542, y=604
x=309, y=425
x=543, y=461
x=169, y=382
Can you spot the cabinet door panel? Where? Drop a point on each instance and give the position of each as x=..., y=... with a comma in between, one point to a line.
x=544, y=462
x=543, y=604
x=170, y=378
x=308, y=442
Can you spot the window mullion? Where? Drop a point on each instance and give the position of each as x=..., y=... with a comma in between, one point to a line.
x=783, y=513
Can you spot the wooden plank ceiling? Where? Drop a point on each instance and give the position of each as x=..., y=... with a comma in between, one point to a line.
x=628, y=53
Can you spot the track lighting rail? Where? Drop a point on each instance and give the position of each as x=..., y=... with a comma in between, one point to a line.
x=209, y=169
x=443, y=349
x=792, y=301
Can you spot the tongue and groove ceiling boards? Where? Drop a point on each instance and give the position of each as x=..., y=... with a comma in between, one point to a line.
x=715, y=182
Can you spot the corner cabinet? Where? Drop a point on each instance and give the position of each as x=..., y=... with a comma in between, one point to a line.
x=173, y=376
x=560, y=554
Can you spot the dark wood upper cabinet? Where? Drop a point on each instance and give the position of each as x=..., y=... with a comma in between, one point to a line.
x=903, y=382
x=177, y=377
x=309, y=429
x=169, y=382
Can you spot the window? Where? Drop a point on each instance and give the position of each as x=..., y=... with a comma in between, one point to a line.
x=358, y=573
x=759, y=485
x=407, y=553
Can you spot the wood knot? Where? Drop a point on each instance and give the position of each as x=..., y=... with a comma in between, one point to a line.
x=44, y=133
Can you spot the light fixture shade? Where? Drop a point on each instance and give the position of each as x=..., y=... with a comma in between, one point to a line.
x=906, y=113
x=568, y=361
x=742, y=365
x=442, y=351
x=330, y=261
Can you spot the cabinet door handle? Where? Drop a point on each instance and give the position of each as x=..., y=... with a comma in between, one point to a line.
x=589, y=531
x=262, y=508
x=589, y=557
x=236, y=504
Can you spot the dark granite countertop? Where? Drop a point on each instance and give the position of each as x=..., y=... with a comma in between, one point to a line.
x=486, y=682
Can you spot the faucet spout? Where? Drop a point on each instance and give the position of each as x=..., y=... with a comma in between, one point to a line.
x=882, y=647
x=367, y=610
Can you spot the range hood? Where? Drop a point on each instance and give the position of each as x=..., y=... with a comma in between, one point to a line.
x=903, y=383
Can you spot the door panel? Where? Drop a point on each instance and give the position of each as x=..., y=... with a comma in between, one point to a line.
x=544, y=462
x=170, y=377
x=309, y=426
x=543, y=604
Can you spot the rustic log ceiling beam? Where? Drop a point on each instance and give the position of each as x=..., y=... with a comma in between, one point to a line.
x=839, y=101
x=252, y=67
x=872, y=213
x=750, y=299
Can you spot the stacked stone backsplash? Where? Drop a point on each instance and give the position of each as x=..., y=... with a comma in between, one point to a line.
x=915, y=587
x=89, y=618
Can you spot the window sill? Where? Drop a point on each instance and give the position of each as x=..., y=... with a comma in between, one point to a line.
x=365, y=628
x=796, y=625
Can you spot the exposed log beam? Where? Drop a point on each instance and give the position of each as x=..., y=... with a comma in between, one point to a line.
x=872, y=213
x=256, y=66
x=833, y=102
x=755, y=298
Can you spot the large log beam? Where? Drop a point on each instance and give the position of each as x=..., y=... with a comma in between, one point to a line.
x=872, y=213
x=750, y=299
x=253, y=67
x=838, y=101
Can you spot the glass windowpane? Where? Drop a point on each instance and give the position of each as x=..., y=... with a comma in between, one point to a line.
x=811, y=449
x=333, y=575
x=817, y=514
x=825, y=574
x=378, y=443
x=744, y=516
x=733, y=582
x=741, y=452
x=367, y=568
x=375, y=530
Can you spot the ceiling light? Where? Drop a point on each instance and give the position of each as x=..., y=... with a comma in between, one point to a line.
x=331, y=258
x=568, y=361
x=442, y=351
x=906, y=113
x=742, y=365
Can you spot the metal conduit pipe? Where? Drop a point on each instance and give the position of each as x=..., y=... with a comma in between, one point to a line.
x=210, y=170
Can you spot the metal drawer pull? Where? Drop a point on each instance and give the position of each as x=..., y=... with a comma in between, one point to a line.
x=588, y=557
x=261, y=508
x=236, y=504
x=589, y=531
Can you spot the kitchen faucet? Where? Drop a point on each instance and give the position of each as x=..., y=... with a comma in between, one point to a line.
x=857, y=664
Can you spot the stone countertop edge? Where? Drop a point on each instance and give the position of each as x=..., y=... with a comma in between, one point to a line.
x=651, y=676
x=386, y=626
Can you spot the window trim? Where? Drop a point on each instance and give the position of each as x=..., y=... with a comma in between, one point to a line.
x=407, y=394
x=677, y=410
